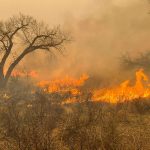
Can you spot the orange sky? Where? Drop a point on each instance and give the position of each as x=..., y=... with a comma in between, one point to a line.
x=52, y=11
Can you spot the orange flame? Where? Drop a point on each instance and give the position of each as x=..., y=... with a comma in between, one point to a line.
x=64, y=85
x=125, y=91
x=18, y=73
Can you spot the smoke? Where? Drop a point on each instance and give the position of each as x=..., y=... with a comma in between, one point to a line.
x=110, y=29
x=102, y=31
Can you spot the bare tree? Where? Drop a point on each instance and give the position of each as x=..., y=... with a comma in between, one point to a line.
x=142, y=60
x=31, y=35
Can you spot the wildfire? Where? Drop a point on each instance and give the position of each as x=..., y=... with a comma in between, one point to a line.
x=64, y=85
x=32, y=74
x=124, y=92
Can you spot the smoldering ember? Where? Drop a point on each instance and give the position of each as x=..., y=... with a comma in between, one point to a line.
x=74, y=75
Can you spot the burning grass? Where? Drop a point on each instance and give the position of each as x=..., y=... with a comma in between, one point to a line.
x=72, y=88
x=124, y=92
x=61, y=115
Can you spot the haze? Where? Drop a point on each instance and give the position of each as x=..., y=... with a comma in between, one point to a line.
x=101, y=30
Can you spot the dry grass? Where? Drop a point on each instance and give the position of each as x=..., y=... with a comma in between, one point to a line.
x=37, y=121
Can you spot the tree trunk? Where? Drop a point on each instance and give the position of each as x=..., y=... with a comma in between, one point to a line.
x=2, y=79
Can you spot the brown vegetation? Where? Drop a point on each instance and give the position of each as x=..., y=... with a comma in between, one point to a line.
x=37, y=121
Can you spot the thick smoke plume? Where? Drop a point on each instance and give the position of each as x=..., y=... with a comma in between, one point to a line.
x=101, y=32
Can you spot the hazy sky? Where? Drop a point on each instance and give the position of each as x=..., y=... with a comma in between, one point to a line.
x=52, y=11
x=102, y=29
